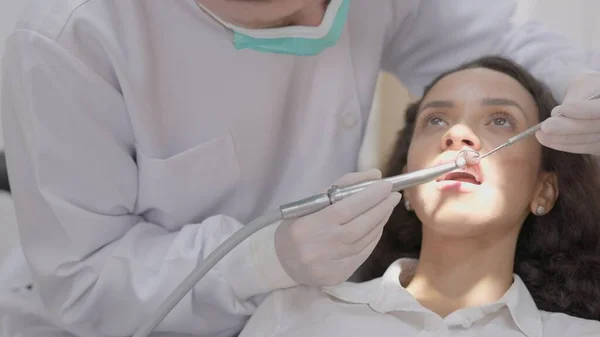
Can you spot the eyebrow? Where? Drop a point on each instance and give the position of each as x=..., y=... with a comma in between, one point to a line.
x=484, y=102
x=437, y=104
x=503, y=102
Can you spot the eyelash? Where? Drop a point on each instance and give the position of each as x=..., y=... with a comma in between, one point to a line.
x=498, y=114
x=431, y=115
x=506, y=115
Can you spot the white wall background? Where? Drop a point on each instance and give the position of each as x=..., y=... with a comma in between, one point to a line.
x=573, y=18
x=577, y=19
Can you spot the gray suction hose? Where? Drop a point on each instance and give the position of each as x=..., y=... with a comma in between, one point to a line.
x=198, y=273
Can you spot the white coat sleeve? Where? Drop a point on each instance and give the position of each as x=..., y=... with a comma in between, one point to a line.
x=100, y=268
x=436, y=35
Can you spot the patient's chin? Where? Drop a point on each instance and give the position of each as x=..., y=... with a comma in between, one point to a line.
x=465, y=214
x=460, y=221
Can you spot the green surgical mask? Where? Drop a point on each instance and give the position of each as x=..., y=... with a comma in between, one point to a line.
x=293, y=40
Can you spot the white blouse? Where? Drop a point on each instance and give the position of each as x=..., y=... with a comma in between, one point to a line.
x=382, y=308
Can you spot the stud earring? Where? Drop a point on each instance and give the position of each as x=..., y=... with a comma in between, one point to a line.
x=407, y=205
x=540, y=210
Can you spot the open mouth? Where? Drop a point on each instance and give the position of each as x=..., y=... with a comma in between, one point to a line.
x=471, y=175
x=461, y=176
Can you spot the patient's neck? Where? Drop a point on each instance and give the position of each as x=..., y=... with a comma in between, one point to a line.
x=455, y=273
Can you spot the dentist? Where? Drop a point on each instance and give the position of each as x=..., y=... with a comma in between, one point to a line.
x=141, y=134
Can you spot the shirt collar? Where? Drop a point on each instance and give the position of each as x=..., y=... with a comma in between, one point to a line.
x=386, y=294
x=523, y=309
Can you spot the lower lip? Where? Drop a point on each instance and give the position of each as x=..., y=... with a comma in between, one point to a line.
x=456, y=186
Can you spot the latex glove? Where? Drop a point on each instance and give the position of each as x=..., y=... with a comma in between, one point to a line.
x=325, y=248
x=578, y=129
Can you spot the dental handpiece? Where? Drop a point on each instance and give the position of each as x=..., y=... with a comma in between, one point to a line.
x=399, y=182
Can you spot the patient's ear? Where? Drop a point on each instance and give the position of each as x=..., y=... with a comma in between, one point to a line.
x=545, y=195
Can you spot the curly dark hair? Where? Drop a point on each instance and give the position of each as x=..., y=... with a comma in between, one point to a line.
x=558, y=254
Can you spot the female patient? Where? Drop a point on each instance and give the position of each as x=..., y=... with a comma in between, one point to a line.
x=509, y=247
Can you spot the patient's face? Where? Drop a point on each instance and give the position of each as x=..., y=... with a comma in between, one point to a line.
x=475, y=109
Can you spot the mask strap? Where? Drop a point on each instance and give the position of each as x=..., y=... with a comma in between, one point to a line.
x=214, y=16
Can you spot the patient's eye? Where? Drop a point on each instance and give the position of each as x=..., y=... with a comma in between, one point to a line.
x=437, y=121
x=502, y=119
x=434, y=119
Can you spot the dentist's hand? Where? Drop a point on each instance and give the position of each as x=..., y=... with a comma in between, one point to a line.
x=578, y=129
x=327, y=247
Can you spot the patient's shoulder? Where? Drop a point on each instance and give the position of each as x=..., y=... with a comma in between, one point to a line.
x=302, y=311
x=559, y=324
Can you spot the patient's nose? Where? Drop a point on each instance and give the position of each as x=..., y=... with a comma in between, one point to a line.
x=460, y=136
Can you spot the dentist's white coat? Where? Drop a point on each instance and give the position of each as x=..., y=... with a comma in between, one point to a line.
x=138, y=139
